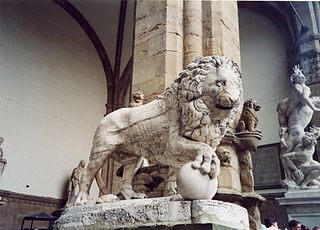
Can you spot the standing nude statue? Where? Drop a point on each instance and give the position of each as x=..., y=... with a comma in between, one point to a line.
x=294, y=114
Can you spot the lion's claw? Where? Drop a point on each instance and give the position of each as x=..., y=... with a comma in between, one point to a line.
x=196, y=164
x=205, y=169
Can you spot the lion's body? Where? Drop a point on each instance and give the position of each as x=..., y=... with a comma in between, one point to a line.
x=141, y=131
x=186, y=123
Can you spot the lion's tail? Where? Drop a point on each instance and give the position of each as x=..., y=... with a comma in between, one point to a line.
x=102, y=186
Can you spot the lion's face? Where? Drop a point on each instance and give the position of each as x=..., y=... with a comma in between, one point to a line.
x=251, y=104
x=220, y=91
x=138, y=96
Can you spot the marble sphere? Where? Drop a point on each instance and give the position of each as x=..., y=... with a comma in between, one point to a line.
x=193, y=185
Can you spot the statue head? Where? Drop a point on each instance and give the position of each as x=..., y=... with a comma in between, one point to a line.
x=297, y=75
x=309, y=139
x=82, y=163
x=137, y=99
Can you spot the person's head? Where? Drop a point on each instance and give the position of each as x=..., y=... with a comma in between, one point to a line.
x=294, y=225
x=270, y=222
x=82, y=163
x=316, y=228
x=304, y=227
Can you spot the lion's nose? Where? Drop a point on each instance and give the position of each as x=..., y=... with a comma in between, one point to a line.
x=228, y=101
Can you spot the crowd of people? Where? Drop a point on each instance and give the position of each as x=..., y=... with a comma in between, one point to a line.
x=271, y=224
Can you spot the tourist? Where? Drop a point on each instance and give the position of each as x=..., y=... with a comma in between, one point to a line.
x=262, y=227
x=294, y=225
x=271, y=223
x=305, y=227
x=316, y=228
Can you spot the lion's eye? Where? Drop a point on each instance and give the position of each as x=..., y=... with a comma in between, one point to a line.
x=220, y=83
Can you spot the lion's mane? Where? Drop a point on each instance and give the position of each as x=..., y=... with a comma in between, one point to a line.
x=196, y=118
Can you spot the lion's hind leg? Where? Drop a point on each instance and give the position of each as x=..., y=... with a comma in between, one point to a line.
x=129, y=170
x=95, y=164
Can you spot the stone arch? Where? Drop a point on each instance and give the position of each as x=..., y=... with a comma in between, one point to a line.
x=94, y=38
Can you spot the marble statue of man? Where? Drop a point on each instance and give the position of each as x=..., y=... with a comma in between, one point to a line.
x=74, y=180
x=294, y=114
x=305, y=170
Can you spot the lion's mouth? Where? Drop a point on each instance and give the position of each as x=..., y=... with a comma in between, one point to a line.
x=221, y=107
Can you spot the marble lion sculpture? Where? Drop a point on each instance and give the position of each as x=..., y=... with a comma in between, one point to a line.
x=185, y=123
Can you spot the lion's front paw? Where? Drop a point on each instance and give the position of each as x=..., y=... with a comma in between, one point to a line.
x=214, y=172
x=196, y=164
x=81, y=198
x=205, y=168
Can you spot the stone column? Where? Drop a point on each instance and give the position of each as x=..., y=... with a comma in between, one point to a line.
x=221, y=29
x=309, y=43
x=158, y=45
x=316, y=6
x=192, y=31
x=170, y=34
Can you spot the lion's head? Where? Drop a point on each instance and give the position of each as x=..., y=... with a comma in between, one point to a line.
x=209, y=93
x=249, y=117
x=137, y=99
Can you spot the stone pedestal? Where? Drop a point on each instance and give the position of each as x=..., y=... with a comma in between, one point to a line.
x=156, y=213
x=236, y=182
x=302, y=205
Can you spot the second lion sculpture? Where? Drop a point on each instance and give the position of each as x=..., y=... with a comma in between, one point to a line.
x=185, y=123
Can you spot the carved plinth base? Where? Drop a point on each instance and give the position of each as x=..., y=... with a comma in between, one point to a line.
x=152, y=213
x=302, y=205
x=248, y=141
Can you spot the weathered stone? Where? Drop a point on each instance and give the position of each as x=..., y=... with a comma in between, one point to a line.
x=126, y=214
x=226, y=214
x=303, y=205
x=153, y=212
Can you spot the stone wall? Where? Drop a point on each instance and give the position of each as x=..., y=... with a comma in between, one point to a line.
x=17, y=206
x=158, y=45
